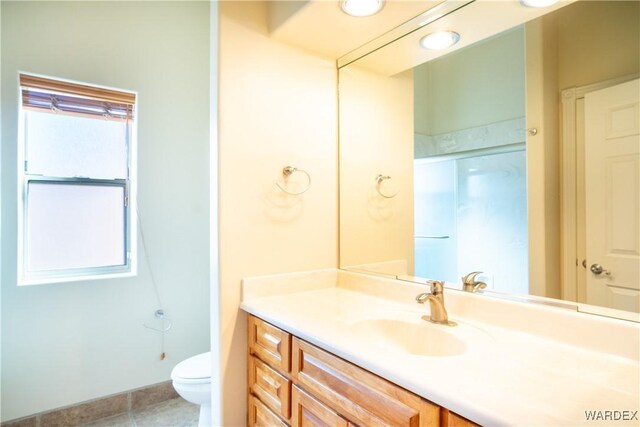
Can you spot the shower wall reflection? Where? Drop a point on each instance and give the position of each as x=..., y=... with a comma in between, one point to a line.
x=471, y=215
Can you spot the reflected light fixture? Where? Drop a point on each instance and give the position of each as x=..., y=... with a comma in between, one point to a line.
x=439, y=40
x=361, y=8
x=538, y=3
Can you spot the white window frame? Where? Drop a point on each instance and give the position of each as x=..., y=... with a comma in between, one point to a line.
x=129, y=269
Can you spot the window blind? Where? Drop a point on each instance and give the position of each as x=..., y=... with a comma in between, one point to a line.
x=44, y=94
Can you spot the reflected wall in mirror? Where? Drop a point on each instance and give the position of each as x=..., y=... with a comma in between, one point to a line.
x=515, y=154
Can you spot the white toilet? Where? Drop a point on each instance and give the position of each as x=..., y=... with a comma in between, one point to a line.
x=192, y=380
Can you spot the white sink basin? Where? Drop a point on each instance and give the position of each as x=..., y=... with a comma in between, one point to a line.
x=417, y=338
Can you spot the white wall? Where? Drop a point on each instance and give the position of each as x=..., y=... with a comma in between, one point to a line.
x=277, y=108
x=71, y=342
x=214, y=248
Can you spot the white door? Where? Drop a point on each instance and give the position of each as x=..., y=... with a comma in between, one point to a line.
x=612, y=186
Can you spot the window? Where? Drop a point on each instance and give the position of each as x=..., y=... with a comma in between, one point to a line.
x=76, y=179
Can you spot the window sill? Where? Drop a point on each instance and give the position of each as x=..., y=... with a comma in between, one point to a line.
x=69, y=279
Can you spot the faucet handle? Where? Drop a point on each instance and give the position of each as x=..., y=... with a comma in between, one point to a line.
x=470, y=284
x=422, y=298
x=437, y=286
x=479, y=286
x=470, y=278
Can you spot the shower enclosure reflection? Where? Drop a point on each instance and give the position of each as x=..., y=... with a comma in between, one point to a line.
x=471, y=215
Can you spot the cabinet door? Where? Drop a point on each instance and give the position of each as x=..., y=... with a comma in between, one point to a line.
x=449, y=419
x=270, y=344
x=261, y=416
x=272, y=388
x=308, y=412
x=360, y=396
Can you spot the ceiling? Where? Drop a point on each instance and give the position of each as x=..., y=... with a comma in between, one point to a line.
x=474, y=22
x=320, y=26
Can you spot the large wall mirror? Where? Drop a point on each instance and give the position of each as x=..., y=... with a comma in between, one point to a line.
x=514, y=153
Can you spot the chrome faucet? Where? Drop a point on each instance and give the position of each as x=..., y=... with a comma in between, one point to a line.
x=470, y=284
x=437, y=312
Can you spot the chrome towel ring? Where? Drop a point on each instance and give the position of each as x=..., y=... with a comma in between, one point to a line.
x=379, y=180
x=287, y=171
x=159, y=314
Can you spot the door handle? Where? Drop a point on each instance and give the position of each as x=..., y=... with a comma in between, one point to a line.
x=597, y=269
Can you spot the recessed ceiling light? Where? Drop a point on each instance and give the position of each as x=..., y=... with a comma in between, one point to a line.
x=361, y=8
x=538, y=3
x=439, y=40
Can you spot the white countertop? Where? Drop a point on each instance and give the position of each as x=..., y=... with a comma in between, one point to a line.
x=504, y=377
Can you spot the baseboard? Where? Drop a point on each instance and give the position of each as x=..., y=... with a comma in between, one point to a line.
x=103, y=407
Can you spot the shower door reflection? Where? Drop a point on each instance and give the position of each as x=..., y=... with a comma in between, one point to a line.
x=471, y=215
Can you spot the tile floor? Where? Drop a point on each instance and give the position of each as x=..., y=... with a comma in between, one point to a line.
x=175, y=412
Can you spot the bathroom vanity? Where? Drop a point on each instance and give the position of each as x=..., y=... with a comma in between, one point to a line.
x=333, y=347
x=292, y=382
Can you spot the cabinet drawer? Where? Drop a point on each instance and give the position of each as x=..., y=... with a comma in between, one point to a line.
x=272, y=388
x=270, y=344
x=261, y=416
x=360, y=396
x=307, y=411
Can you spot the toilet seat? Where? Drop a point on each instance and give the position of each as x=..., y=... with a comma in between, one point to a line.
x=192, y=380
x=194, y=370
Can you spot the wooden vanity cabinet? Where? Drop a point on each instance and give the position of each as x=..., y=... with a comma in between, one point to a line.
x=308, y=411
x=363, y=398
x=270, y=344
x=271, y=387
x=450, y=419
x=261, y=416
x=293, y=383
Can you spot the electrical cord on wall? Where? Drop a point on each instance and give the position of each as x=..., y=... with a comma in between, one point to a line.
x=159, y=313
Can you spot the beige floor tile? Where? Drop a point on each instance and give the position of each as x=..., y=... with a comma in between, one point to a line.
x=172, y=413
x=122, y=420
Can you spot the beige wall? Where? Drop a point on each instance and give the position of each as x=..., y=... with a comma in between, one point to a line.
x=278, y=107
x=376, y=137
x=584, y=43
x=597, y=41
x=543, y=179
x=475, y=86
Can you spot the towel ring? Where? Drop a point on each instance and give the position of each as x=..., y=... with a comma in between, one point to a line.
x=379, y=180
x=159, y=314
x=287, y=171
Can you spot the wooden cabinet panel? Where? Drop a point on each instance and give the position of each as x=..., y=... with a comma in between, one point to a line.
x=360, y=396
x=449, y=419
x=261, y=416
x=272, y=388
x=291, y=380
x=308, y=412
x=270, y=344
